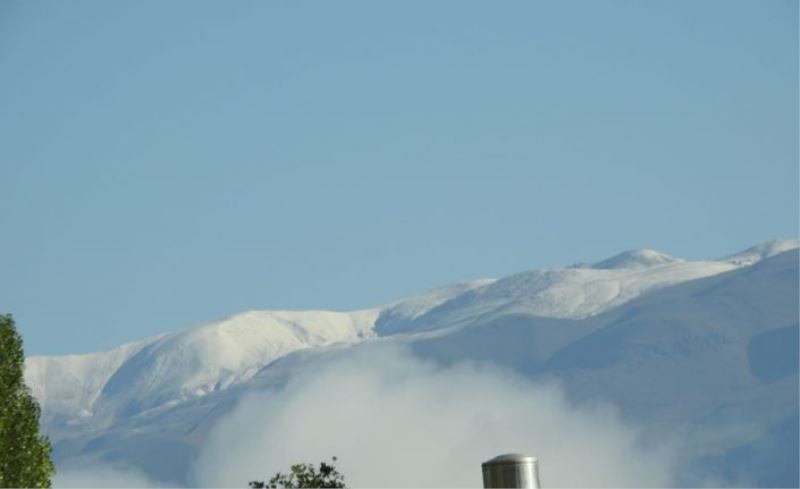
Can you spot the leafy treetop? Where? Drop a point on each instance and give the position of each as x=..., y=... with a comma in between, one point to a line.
x=305, y=475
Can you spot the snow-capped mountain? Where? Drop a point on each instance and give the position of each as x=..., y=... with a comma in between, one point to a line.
x=171, y=368
x=566, y=322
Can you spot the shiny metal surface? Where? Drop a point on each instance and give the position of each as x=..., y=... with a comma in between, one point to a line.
x=511, y=470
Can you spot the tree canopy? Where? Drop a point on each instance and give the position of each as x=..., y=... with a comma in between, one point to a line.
x=24, y=454
x=305, y=475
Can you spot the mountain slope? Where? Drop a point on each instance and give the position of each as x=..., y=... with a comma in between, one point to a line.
x=169, y=369
x=575, y=292
x=694, y=345
x=715, y=359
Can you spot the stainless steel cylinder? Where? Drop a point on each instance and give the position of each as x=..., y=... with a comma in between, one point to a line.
x=511, y=470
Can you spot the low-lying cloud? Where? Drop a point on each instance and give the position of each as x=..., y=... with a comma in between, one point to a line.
x=397, y=421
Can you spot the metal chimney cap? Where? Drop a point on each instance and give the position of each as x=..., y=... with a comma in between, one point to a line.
x=511, y=470
x=510, y=458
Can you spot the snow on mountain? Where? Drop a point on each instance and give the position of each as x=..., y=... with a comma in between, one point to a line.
x=568, y=293
x=762, y=251
x=712, y=361
x=586, y=290
x=169, y=369
x=416, y=306
x=641, y=258
x=70, y=385
x=164, y=371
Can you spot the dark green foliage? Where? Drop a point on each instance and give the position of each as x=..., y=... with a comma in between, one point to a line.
x=24, y=454
x=304, y=475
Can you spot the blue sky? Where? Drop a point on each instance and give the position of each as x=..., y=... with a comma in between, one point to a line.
x=169, y=163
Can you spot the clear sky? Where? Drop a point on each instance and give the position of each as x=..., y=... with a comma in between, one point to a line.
x=169, y=163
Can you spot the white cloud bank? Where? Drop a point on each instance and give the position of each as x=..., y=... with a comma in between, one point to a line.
x=396, y=421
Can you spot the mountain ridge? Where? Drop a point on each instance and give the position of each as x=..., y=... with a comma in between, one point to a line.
x=688, y=346
x=171, y=368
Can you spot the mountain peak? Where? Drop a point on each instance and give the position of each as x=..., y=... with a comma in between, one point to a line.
x=638, y=258
x=762, y=251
